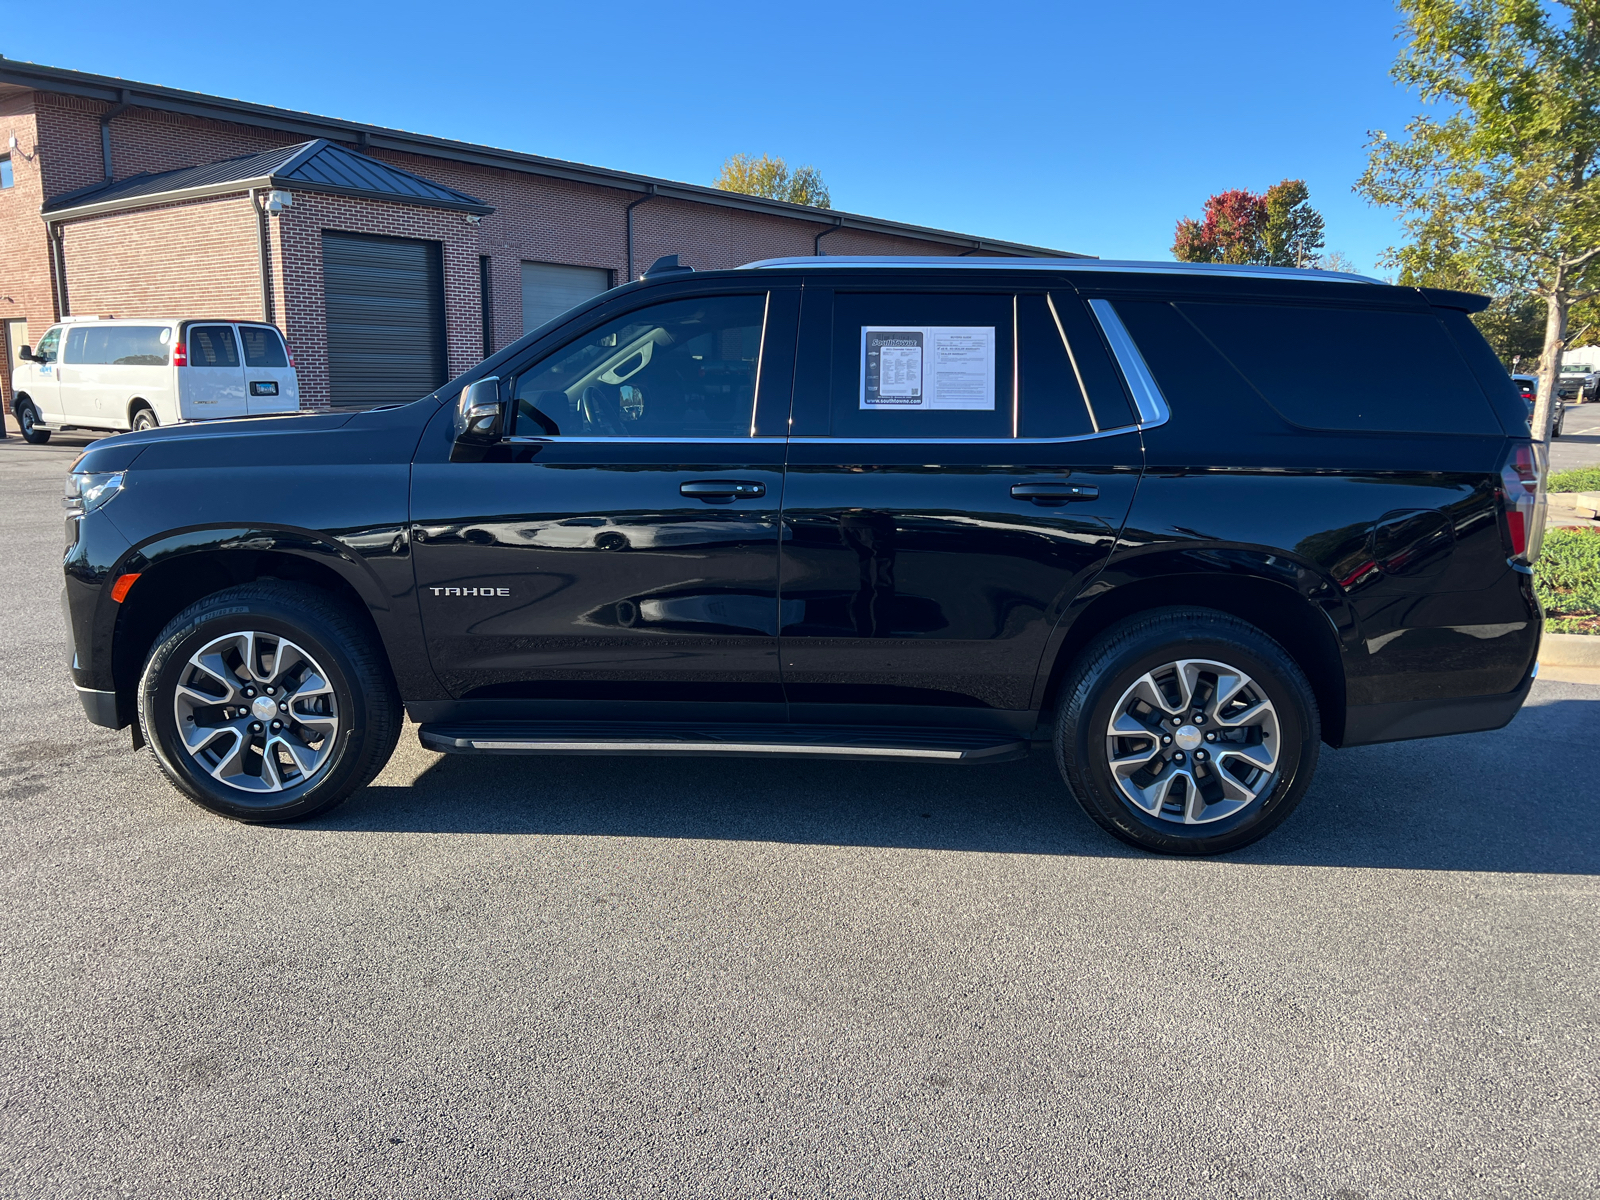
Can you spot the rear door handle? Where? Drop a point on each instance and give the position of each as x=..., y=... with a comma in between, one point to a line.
x=722, y=489
x=1054, y=493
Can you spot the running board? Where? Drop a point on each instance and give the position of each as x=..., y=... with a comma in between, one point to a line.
x=724, y=741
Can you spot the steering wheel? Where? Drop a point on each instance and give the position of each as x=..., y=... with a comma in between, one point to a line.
x=598, y=410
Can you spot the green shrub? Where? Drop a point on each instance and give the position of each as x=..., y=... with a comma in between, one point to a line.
x=1583, y=479
x=1567, y=578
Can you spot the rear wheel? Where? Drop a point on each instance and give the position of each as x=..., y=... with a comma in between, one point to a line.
x=28, y=422
x=1187, y=731
x=268, y=702
x=143, y=418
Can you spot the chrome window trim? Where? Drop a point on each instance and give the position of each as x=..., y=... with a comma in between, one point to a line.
x=1109, y=266
x=829, y=439
x=1147, y=397
x=526, y=440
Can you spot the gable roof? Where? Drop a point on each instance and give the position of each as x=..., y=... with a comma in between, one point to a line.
x=315, y=166
x=20, y=77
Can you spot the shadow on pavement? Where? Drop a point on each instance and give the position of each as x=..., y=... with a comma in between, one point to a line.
x=1519, y=799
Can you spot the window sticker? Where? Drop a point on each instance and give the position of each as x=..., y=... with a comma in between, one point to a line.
x=931, y=367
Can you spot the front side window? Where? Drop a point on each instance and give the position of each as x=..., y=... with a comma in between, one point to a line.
x=680, y=369
x=262, y=347
x=212, y=346
x=46, y=349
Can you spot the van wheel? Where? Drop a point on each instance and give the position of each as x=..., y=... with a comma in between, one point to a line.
x=1187, y=731
x=268, y=702
x=28, y=422
x=143, y=418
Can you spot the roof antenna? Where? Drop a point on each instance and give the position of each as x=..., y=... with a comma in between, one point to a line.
x=667, y=264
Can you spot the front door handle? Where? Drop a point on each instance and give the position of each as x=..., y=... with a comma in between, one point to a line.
x=713, y=490
x=1054, y=493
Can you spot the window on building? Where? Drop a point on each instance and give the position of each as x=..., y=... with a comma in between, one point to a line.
x=549, y=289
x=6, y=178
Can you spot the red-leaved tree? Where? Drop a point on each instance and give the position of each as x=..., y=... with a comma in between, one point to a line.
x=1278, y=228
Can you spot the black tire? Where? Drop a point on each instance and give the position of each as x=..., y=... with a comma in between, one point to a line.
x=28, y=421
x=367, y=703
x=143, y=418
x=1095, y=689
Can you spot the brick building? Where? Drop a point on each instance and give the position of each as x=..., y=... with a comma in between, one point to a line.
x=133, y=200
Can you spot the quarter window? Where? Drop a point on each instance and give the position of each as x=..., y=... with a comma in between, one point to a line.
x=681, y=369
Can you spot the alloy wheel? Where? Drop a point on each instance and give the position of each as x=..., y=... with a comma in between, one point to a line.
x=1193, y=741
x=256, y=712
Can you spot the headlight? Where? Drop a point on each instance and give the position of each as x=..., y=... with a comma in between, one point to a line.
x=88, y=490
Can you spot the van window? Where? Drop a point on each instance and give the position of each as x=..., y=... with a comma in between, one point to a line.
x=1348, y=368
x=76, y=349
x=134, y=346
x=922, y=365
x=262, y=347
x=212, y=346
x=46, y=349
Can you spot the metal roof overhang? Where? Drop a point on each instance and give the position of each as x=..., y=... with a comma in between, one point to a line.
x=32, y=77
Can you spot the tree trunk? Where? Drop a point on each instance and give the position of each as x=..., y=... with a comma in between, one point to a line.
x=1555, y=339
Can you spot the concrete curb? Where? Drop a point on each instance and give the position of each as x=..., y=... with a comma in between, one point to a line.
x=1570, y=650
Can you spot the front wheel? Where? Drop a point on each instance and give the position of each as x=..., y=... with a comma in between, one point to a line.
x=28, y=422
x=1187, y=731
x=268, y=702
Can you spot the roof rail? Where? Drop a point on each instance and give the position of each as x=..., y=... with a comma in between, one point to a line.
x=1109, y=266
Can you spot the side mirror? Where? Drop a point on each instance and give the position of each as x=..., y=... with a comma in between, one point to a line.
x=26, y=353
x=480, y=416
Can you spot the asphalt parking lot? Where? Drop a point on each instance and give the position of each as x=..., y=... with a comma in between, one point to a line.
x=564, y=978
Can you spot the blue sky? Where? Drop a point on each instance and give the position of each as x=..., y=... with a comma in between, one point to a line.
x=1083, y=126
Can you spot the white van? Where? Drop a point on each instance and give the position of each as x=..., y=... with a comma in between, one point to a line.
x=116, y=374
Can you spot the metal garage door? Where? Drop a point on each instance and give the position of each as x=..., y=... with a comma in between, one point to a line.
x=385, y=300
x=549, y=289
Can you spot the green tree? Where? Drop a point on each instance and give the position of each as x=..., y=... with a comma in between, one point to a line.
x=1292, y=234
x=769, y=176
x=1502, y=189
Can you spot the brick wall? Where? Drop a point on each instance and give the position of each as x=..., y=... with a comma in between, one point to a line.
x=200, y=259
x=25, y=291
x=302, y=314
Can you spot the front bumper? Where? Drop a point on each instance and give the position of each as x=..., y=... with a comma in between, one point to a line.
x=100, y=707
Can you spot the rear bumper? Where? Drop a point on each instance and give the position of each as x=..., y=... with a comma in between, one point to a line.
x=1370, y=724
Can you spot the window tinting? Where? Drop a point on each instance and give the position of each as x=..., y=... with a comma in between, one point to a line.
x=1107, y=396
x=855, y=314
x=212, y=346
x=680, y=369
x=262, y=347
x=1335, y=368
x=1049, y=390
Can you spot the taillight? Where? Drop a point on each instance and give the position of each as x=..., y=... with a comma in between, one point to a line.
x=289, y=350
x=180, y=355
x=1522, y=496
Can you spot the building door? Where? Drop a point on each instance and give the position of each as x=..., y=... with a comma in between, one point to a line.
x=385, y=313
x=549, y=289
x=16, y=339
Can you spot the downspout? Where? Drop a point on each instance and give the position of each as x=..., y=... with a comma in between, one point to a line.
x=58, y=269
x=816, y=242
x=105, y=129
x=649, y=195
x=265, y=254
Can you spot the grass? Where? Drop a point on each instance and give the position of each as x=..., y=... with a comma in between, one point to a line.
x=1583, y=479
x=1567, y=578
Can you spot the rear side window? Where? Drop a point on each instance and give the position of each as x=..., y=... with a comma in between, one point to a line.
x=135, y=345
x=922, y=365
x=262, y=347
x=1349, y=369
x=77, y=347
x=212, y=346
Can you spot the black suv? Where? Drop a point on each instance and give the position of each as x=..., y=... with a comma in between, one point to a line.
x=1182, y=524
